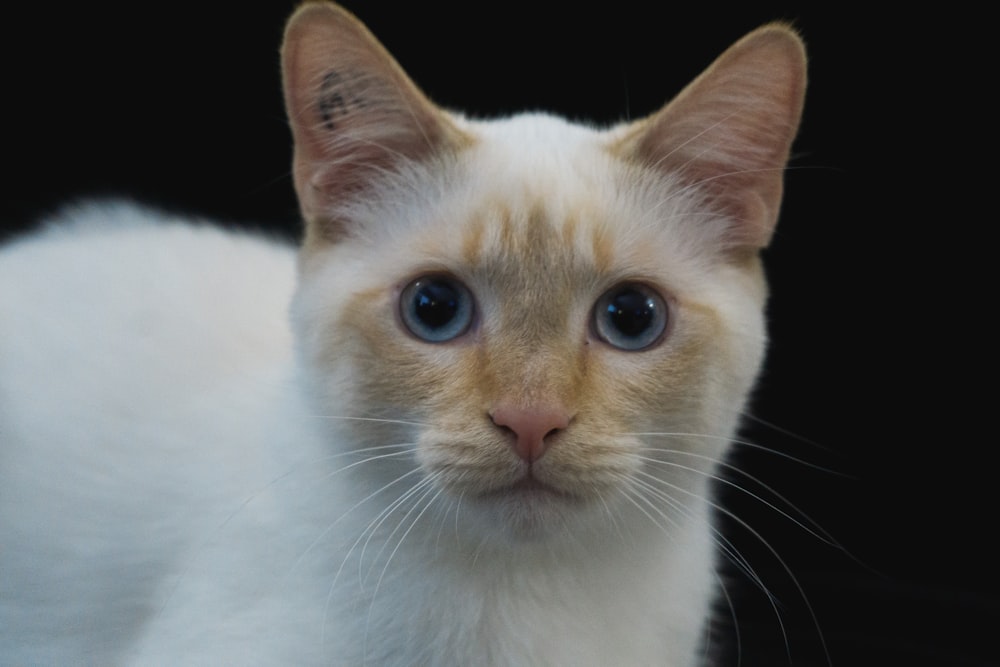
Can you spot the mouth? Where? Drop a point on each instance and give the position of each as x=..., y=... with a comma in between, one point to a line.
x=528, y=489
x=528, y=508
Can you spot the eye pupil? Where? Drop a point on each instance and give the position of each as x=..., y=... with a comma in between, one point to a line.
x=631, y=313
x=436, y=304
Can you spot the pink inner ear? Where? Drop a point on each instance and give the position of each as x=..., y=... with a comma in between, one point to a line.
x=729, y=132
x=354, y=112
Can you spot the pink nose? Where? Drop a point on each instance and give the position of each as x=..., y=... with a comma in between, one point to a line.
x=531, y=427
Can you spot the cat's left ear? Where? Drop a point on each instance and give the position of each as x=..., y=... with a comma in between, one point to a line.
x=354, y=114
x=728, y=134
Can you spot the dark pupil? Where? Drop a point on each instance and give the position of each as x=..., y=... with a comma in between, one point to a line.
x=631, y=312
x=435, y=304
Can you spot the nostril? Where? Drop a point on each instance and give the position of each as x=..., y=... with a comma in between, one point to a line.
x=502, y=427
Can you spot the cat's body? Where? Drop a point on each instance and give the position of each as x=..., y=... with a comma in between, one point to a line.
x=452, y=455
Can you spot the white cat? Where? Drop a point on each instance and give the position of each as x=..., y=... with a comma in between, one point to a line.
x=517, y=350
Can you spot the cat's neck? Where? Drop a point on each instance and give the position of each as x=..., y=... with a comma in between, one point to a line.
x=578, y=598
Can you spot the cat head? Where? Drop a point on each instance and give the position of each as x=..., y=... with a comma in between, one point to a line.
x=549, y=316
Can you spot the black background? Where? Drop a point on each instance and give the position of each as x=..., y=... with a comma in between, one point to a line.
x=880, y=378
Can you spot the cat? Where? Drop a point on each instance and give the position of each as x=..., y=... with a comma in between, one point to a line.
x=472, y=420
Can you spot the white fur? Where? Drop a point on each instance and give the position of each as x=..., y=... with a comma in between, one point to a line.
x=169, y=494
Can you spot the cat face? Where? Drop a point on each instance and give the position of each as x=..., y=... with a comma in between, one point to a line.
x=529, y=319
x=548, y=320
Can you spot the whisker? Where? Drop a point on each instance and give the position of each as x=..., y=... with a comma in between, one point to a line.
x=723, y=542
x=413, y=523
x=409, y=449
x=774, y=553
x=632, y=487
x=336, y=521
x=814, y=529
x=612, y=517
x=629, y=495
x=379, y=420
x=738, y=441
x=727, y=548
x=784, y=431
x=421, y=485
x=326, y=531
x=378, y=584
x=350, y=551
x=732, y=614
x=208, y=541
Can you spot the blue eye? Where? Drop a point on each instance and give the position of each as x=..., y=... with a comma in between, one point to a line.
x=630, y=317
x=436, y=308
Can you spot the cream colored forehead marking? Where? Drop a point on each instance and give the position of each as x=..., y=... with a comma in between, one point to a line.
x=500, y=239
x=602, y=244
x=536, y=264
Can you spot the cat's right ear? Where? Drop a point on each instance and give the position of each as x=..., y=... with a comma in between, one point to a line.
x=728, y=134
x=353, y=111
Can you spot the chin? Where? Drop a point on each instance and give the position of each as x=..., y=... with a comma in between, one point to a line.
x=528, y=512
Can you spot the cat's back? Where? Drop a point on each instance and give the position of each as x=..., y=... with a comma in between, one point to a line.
x=111, y=310
x=135, y=349
x=112, y=284
x=119, y=260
